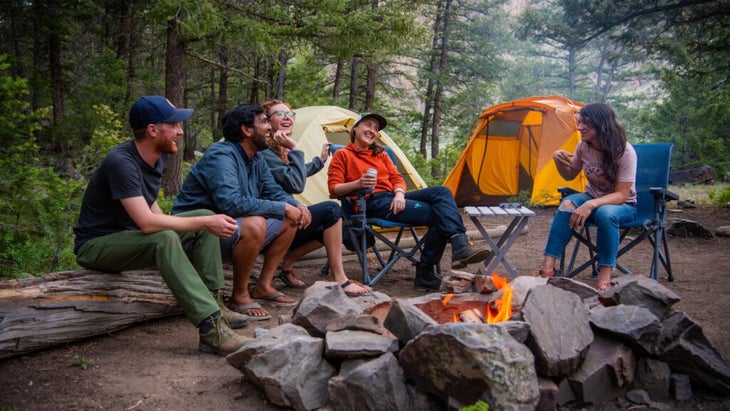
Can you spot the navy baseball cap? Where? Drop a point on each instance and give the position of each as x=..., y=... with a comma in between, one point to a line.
x=156, y=109
x=382, y=123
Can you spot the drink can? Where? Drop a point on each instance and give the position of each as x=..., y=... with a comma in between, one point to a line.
x=372, y=172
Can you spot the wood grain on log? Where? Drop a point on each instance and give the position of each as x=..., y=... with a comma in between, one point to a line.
x=58, y=308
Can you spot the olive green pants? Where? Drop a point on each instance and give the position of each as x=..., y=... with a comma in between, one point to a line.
x=190, y=263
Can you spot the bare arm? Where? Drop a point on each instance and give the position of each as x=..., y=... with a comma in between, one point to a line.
x=152, y=220
x=562, y=160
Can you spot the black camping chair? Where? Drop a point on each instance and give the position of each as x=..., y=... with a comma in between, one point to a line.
x=360, y=233
x=652, y=179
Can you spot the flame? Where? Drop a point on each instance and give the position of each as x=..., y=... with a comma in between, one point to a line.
x=446, y=299
x=503, y=306
x=454, y=317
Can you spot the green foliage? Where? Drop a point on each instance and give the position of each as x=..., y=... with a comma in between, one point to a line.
x=721, y=197
x=477, y=406
x=81, y=362
x=524, y=197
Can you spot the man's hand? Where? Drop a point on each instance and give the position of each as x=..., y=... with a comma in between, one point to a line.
x=221, y=225
x=306, y=217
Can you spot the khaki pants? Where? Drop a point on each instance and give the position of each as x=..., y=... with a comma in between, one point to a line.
x=190, y=263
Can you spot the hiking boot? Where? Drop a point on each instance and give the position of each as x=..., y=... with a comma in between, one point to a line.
x=218, y=338
x=462, y=253
x=427, y=277
x=235, y=320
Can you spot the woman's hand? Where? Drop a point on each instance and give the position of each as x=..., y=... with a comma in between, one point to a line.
x=399, y=202
x=368, y=181
x=581, y=214
x=283, y=138
x=562, y=158
x=325, y=152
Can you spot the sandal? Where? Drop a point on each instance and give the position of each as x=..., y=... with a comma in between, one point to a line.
x=276, y=298
x=253, y=311
x=362, y=289
x=289, y=278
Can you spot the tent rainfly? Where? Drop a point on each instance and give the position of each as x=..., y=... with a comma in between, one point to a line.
x=317, y=125
x=510, y=150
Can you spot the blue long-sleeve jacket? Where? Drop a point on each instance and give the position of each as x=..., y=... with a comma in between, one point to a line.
x=293, y=176
x=225, y=180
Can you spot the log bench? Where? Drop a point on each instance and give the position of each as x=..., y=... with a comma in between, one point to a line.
x=57, y=308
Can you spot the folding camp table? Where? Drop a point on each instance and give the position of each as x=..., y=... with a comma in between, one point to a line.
x=519, y=215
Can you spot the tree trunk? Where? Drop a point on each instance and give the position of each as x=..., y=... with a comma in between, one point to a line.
x=372, y=79
x=428, y=99
x=354, y=66
x=281, y=78
x=439, y=94
x=175, y=92
x=58, y=308
x=222, y=92
x=337, y=86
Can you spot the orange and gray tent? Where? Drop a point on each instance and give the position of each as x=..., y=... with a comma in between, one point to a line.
x=510, y=151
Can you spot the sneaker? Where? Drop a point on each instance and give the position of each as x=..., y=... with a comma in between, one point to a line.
x=220, y=338
x=235, y=320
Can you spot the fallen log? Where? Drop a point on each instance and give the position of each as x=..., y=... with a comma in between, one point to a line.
x=57, y=308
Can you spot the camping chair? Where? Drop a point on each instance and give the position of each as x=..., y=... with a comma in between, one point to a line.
x=652, y=178
x=360, y=233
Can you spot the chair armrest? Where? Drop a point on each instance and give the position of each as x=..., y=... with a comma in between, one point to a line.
x=660, y=192
x=566, y=191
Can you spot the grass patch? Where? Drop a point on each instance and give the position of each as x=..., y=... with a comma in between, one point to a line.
x=700, y=194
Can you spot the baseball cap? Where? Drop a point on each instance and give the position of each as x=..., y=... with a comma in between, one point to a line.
x=377, y=117
x=156, y=109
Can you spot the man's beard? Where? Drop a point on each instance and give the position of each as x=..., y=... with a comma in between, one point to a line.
x=259, y=140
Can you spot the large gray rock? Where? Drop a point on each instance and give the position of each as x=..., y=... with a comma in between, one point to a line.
x=374, y=384
x=653, y=376
x=405, y=320
x=468, y=362
x=352, y=344
x=636, y=326
x=606, y=372
x=642, y=292
x=560, y=332
x=521, y=286
x=322, y=303
x=685, y=348
x=287, y=365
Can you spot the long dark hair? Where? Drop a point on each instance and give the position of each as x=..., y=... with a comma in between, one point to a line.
x=611, y=135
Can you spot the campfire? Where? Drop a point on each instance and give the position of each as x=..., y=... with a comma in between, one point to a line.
x=464, y=309
x=470, y=346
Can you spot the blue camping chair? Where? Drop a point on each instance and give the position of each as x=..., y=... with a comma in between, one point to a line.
x=360, y=233
x=652, y=179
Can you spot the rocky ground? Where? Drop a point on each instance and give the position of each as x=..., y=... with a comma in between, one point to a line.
x=156, y=365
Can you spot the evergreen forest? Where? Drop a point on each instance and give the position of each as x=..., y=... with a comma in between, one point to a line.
x=70, y=69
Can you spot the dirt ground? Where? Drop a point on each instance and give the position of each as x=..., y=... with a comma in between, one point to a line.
x=157, y=365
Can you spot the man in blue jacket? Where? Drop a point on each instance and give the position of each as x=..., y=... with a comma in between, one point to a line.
x=231, y=178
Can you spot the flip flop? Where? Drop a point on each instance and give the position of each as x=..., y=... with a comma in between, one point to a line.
x=273, y=299
x=248, y=310
x=368, y=290
x=284, y=277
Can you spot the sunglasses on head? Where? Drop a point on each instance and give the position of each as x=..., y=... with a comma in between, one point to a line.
x=282, y=114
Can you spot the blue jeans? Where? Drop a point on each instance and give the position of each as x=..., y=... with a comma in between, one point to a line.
x=607, y=219
x=433, y=207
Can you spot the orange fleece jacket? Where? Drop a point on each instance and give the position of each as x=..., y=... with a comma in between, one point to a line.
x=350, y=163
